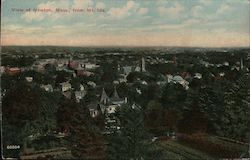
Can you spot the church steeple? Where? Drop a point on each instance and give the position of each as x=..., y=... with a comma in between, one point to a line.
x=143, y=69
x=241, y=64
x=115, y=94
x=104, y=97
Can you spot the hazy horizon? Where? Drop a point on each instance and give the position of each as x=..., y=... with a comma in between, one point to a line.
x=162, y=23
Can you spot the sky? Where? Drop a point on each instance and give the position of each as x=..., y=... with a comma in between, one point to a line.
x=190, y=23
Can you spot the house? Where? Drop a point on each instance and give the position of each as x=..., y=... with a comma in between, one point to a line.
x=38, y=68
x=92, y=84
x=2, y=69
x=122, y=78
x=222, y=74
x=65, y=86
x=12, y=71
x=89, y=66
x=82, y=88
x=47, y=88
x=226, y=63
x=94, y=109
x=180, y=80
x=62, y=64
x=73, y=64
x=67, y=94
x=144, y=83
x=29, y=79
x=80, y=95
x=169, y=78
x=197, y=75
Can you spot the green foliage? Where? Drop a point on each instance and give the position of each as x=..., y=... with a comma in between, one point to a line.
x=86, y=141
x=20, y=61
x=21, y=104
x=160, y=119
x=173, y=96
x=168, y=68
x=132, y=140
x=61, y=76
x=193, y=121
x=235, y=120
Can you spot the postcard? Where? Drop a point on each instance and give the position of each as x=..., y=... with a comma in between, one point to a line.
x=125, y=79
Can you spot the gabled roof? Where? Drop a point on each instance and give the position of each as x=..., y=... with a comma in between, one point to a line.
x=104, y=97
x=115, y=96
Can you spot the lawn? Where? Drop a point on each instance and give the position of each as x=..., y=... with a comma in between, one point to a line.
x=172, y=149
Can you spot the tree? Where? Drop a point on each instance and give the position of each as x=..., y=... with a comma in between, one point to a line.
x=132, y=140
x=20, y=108
x=193, y=121
x=85, y=140
x=211, y=101
x=173, y=96
x=21, y=104
x=235, y=121
x=153, y=114
x=50, y=69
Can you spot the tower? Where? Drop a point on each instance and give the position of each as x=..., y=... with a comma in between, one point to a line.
x=241, y=64
x=104, y=97
x=143, y=69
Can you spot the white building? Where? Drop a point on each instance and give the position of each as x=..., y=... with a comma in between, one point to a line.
x=65, y=86
x=29, y=79
x=47, y=88
x=198, y=75
x=180, y=80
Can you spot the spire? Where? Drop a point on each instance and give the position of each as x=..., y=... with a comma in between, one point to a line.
x=241, y=64
x=115, y=94
x=143, y=64
x=104, y=97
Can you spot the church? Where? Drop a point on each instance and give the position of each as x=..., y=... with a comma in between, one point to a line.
x=108, y=105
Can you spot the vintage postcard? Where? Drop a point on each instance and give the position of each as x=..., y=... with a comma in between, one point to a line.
x=125, y=79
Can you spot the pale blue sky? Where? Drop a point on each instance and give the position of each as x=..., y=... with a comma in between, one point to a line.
x=209, y=23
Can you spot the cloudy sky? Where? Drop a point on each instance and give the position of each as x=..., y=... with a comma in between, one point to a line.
x=203, y=23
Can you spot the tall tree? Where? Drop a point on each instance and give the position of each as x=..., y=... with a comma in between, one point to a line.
x=132, y=140
x=235, y=120
x=85, y=140
x=21, y=104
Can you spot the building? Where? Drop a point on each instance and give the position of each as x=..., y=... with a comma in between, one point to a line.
x=67, y=94
x=198, y=76
x=89, y=66
x=79, y=95
x=143, y=69
x=108, y=106
x=12, y=71
x=65, y=86
x=29, y=79
x=178, y=79
x=47, y=88
x=94, y=109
